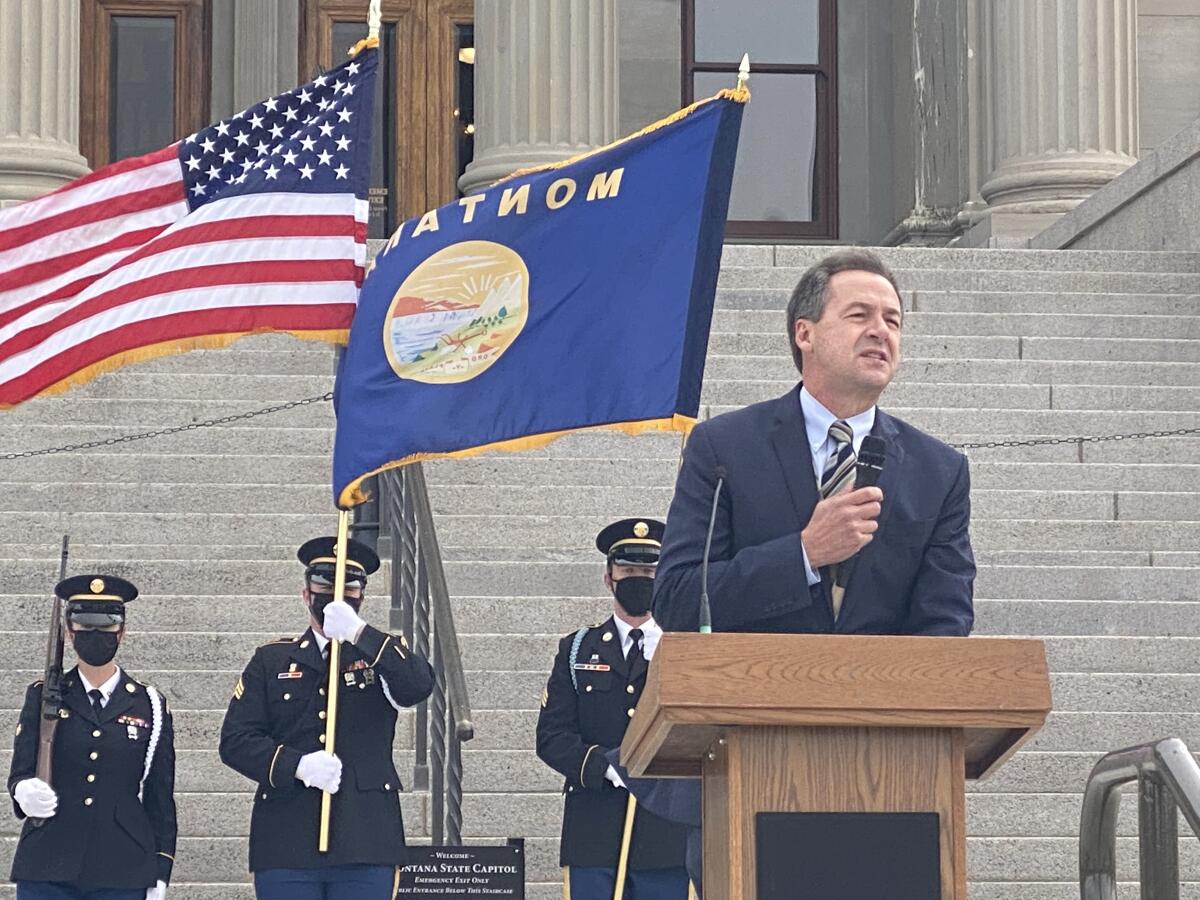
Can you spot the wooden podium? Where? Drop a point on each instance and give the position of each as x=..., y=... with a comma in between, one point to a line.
x=813, y=725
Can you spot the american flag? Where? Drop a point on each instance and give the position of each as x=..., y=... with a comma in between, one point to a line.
x=257, y=223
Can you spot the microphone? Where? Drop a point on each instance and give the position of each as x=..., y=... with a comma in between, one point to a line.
x=871, y=456
x=705, y=609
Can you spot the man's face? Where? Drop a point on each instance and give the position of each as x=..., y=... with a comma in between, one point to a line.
x=854, y=348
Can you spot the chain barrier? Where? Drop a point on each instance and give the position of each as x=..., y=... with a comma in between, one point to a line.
x=328, y=396
x=176, y=429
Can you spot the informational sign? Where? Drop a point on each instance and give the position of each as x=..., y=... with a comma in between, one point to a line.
x=494, y=872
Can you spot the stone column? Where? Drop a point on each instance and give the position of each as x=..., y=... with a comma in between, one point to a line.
x=545, y=83
x=39, y=97
x=1063, y=96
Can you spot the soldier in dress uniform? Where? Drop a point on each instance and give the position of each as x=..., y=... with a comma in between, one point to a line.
x=598, y=677
x=114, y=740
x=274, y=732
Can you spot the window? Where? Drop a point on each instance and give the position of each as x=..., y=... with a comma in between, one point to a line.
x=424, y=96
x=785, y=182
x=144, y=75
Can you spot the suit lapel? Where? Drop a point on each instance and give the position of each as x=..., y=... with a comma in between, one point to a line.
x=885, y=427
x=610, y=650
x=120, y=700
x=76, y=699
x=790, y=441
x=307, y=653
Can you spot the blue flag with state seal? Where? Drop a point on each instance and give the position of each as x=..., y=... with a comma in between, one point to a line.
x=571, y=296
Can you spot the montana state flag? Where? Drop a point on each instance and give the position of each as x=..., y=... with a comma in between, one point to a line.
x=571, y=296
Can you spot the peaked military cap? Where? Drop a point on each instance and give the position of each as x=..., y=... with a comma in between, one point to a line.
x=96, y=600
x=634, y=542
x=320, y=560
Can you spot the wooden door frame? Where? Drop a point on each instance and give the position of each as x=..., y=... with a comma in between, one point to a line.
x=193, y=40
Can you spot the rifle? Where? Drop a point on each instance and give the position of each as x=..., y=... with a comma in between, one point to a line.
x=52, y=685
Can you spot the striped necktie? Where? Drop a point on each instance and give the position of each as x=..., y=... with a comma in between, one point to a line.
x=838, y=471
x=840, y=467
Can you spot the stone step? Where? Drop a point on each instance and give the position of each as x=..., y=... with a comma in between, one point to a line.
x=265, y=441
x=1184, y=326
x=777, y=365
x=1003, y=347
x=977, y=260
x=564, y=531
x=150, y=497
x=1033, y=303
x=1039, y=617
x=145, y=465
x=286, y=357
x=266, y=386
x=520, y=468
x=212, y=814
x=728, y=392
x=781, y=277
x=146, y=414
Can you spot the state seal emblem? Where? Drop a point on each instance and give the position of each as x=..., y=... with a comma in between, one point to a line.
x=457, y=312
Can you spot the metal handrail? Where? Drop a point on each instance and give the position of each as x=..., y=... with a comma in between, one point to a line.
x=421, y=607
x=1168, y=780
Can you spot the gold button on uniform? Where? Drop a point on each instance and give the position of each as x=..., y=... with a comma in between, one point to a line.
x=93, y=755
x=321, y=691
x=96, y=733
x=630, y=714
x=304, y=645
x=321, y=714
x=287, y=696
x=321, y=739
x=91, y=777
x=607, y=636
x=629, y=688
x=130, y=688
x=87, y=801
x=588, y=689
x=387, y=787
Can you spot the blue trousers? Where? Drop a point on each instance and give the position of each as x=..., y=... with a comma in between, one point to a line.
x=53, y=890
x=329, y=883
x=598, y=883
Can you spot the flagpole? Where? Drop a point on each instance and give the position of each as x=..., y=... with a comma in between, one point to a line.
x=335, y=655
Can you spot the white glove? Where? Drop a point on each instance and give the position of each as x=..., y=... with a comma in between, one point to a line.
x=320, y=770
x=342, y=623
x=612, y=776
x=36, y=798
x=158, y=892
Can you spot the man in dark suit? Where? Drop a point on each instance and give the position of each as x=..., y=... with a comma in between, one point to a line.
x=108, y=818
x=789, y=517
x=274, y=734
x=597, y=680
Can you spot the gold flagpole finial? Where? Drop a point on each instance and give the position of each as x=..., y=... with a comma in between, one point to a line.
x=744, y=72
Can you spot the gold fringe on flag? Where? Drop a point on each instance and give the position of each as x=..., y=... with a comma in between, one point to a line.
x=352, y=494
x=169, y=348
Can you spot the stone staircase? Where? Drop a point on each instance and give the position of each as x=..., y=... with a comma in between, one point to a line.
x=1094, y=546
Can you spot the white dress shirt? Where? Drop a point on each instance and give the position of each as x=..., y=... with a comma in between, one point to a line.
x=817, y=420
x=105, y=689
x=651, y=632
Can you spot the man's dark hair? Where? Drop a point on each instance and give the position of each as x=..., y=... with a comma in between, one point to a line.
x=809, y=297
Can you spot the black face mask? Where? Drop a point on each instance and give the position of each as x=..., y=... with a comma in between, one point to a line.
x=635, y=594
x=322, y=600
x=96, y=648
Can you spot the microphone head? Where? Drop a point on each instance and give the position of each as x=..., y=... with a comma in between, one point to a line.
x=873, y=451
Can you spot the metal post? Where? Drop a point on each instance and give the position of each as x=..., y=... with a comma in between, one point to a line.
x=1158, y=840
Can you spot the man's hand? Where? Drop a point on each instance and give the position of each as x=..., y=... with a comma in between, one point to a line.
x=342, y=623
x=158, y=892
x=841, y=526
x=36, y=798
x=320, y=770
